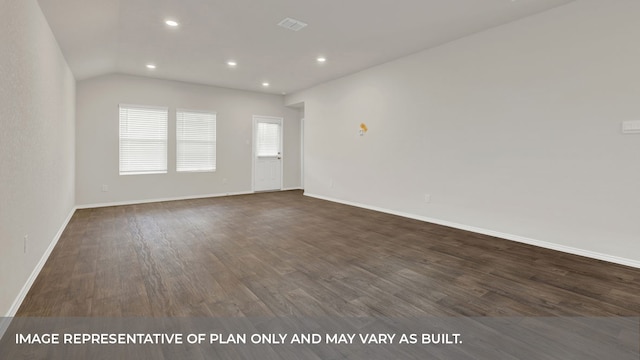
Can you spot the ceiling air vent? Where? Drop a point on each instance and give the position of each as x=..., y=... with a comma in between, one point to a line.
x=292, y=24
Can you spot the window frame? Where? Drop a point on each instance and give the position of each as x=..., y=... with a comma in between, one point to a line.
x=213, y=143
x=164, y=143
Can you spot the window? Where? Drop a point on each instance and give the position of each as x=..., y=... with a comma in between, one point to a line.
x=268, y=139
x=143, y=140
x=196, y=141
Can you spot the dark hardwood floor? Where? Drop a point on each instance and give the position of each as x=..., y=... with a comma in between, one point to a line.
x=286, y=254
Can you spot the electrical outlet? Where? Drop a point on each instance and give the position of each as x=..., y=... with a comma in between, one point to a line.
x=224, y=180
x=427, y=198
x=105, y=188
x=331, y=182
x=26, y=238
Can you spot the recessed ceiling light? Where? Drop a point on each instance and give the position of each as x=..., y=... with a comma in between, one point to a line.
x=265, y=84
x=151, y=66
x=321, y=59
x=171, y=23
x=232, y=63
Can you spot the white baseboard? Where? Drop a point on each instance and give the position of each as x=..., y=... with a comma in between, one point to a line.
x=498, y=234
x=292, y=188
x=145, y=201
x=34, y=274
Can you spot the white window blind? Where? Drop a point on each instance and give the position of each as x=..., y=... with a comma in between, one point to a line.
x=268, y=139
x=196, y=141
x=143, y=140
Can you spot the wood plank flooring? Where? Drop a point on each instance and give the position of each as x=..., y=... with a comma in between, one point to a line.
x=286, y=254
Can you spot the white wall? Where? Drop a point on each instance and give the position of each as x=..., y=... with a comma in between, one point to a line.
x=37, y=104
x=97, y=139
x=514, y=130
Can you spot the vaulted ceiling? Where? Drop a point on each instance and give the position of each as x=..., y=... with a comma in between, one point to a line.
x=122, y=36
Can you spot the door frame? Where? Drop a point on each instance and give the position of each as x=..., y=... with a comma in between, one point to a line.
x=253, y=149
x=302, y=123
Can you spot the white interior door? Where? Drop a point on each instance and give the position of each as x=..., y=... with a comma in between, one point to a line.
x=267, y=153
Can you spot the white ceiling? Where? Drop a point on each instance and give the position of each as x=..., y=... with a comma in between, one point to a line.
x=121, y=36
